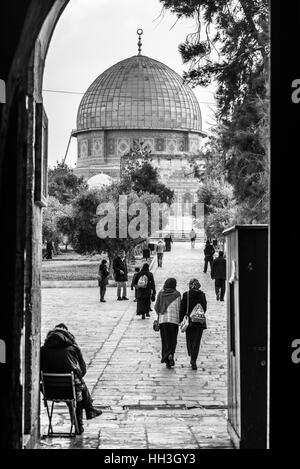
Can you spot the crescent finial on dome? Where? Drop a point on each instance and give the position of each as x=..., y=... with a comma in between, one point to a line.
x=140, y=32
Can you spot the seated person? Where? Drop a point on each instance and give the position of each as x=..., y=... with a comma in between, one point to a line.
x=61, y=354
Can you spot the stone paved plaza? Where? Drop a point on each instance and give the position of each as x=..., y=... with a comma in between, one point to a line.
x=139, y=396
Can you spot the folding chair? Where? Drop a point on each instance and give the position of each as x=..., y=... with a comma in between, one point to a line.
x=60, y=388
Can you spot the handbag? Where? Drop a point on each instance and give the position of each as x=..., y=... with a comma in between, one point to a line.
x=155, y=325
x=186, y=320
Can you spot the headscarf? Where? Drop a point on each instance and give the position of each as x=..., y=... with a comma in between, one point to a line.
x=166, y=296
x=194, y=284
x=145, y=267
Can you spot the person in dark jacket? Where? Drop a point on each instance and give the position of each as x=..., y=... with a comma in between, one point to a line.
x=168, y=242
x=121, y=275
x=146, y=293
x=218, y=273
x=61, y=354
x=133, y=285
x=103, y=275
x=194, y=331
x=208, y=255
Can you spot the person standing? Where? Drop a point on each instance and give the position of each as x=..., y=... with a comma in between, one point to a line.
x=215, y=244
x=133, y=285
x=168, y=242
x=160, y=247
x=194, y=332
x=121, y=275
x=145, y=291
x=167, y=307
x=208, y=256
x=193, y=237
x=218, y=273
x=49, y=250
x=103, y=275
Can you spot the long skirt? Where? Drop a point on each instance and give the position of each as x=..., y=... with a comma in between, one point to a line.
x=193, y=337
x=143, y=306
x=168, y=334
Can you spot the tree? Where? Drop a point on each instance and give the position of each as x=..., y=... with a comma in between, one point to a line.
x=84, y=238
x=138, y=175
x=231, y=48
x=64, y=184
x=51, y=215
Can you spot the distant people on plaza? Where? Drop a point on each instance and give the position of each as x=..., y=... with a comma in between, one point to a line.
x=146, y=251
x=208, y=255
x=121, y=275
x=145, y=291
x=61, y=354
x=49, y=250
x=194, y=331
x=103, y=275
x=133, y=285
x=168, y=241
x=167, y=307
x=160, y=248
x=193, y=237
x=218, y=273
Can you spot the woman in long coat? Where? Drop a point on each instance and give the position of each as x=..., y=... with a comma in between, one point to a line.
x=167, y=307
x=146, y=294
x=195, y=330
x=103, y=275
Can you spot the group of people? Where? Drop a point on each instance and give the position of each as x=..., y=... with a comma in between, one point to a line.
x=217, y=268
x=171, y=310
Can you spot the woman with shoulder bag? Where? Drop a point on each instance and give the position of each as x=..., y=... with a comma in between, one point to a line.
x=190, y=304
x=167, y=307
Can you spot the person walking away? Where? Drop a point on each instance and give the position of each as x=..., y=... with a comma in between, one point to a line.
x=218, y=273
x=160, y=247
x=145, y=291
x=193, y=334
x=168, y=241
x=133, y=285
x=193, y=237
x=167, y=307
x=61, y=354
x=103, y=275
x=208, y=256
x=121, y=275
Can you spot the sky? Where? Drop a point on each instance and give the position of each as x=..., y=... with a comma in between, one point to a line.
x=93, y=35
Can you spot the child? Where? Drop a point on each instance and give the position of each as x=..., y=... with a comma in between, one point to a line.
x=137, y=269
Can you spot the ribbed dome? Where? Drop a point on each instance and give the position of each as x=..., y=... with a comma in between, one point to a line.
x=139, y=93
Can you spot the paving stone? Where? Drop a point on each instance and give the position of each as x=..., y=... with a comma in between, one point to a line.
x=126, y=377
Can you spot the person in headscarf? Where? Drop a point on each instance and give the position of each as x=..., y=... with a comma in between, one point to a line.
x=167, y=307
x=195, y=330
x=145, y=291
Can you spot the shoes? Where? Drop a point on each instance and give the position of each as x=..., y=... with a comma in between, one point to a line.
x=143, y=316
x=92, y=413
x=218, y=297
x=193, y=365
x=124, y=298
x=103, y=301
x=135, y=300
x=171, y=360
x=147, y=315
x=119, y=298
x=80, y=429
x=222, y=299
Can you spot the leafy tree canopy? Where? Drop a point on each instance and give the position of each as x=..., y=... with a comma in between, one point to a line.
x=63, y=183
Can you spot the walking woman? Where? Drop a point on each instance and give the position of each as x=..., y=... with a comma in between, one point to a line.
x=195, y=330
x=103, y=275
x=167, y=307
x=145, y=291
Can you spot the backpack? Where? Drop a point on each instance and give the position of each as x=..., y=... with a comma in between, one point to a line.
x=142, y=281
